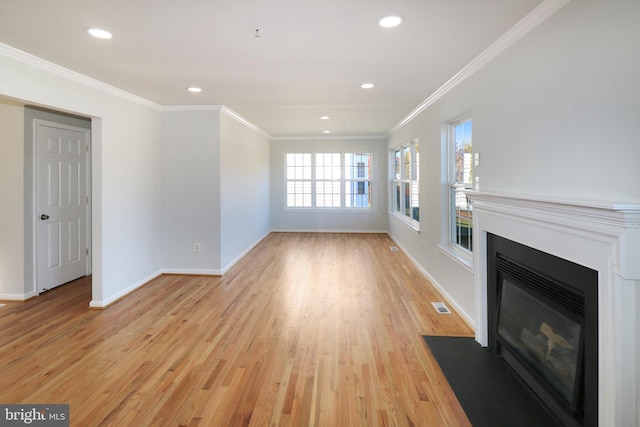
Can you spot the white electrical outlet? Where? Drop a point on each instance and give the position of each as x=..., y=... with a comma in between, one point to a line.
x=196, y=247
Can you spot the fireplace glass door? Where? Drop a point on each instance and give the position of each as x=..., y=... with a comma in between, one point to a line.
x=545, y=339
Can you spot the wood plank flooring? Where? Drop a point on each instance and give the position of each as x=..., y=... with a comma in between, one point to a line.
x=306, y=330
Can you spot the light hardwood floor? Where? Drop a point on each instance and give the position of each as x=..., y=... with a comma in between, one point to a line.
x=306, y=330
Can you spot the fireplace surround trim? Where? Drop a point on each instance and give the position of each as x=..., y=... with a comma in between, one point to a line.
x=602, y=236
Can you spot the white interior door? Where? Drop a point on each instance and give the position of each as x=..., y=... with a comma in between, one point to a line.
x=61, y=204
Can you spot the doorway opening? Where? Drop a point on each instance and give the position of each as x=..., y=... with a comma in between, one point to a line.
x=57, y=198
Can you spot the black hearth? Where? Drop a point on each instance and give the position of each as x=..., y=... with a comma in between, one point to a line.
x=543, y=321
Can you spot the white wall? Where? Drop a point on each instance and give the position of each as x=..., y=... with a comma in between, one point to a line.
x=11, y=192
x=131, y=197
x=562, y=106
x=335, y=221
x=126, y=168
x=216, y=189
x=191, y=186
x=555, y=114
x=245, y=188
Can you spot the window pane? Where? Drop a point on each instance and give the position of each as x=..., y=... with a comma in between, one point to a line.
x=463, y=153
x=328, y=194
x=397, y=198
x=357, y=165
x=299, y=166
x=406, y=190
x=461, y=219
x=416, y=162
x=327, y=165
x=397, y=164
x=415, y=201
x=358, y=194
x=406, y=156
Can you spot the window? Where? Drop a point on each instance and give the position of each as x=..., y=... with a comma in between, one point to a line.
x=405, y=190
x=328, y=180
x=357, y=172
x=460, y=179
x=298, y=180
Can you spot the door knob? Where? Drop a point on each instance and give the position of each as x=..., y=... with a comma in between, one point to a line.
x=44, y=217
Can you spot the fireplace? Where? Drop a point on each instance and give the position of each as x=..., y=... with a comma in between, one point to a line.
x=543, y=322
x=603, y=237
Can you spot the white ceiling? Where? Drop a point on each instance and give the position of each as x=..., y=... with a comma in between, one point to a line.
x=309, y=61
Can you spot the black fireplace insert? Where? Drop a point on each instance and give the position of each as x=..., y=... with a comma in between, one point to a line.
x=543, y=321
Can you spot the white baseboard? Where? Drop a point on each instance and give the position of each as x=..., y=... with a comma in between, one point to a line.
x=465, y=316
x=123, y=293
x=315, y=230
x=192, y=271
x=17, y=297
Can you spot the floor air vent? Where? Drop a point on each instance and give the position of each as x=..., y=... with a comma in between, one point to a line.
x=441, y=308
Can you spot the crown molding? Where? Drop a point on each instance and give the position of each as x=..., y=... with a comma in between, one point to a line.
x=170, y=108
x=328, y=138
x=229, y=112
x=33, y=61
x=221, y=108
x=524, y=26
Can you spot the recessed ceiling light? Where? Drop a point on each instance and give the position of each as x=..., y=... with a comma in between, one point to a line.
x=326, y=131
x=99, y=33
x=194, y=89
x=390, y=21
x=324, y=118
x=367, y=85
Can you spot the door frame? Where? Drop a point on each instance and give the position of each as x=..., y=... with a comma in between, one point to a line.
x=32, y=248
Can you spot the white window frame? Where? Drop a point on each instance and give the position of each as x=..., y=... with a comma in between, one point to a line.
x=315, y=180
x=400, y=182
x=449, y=246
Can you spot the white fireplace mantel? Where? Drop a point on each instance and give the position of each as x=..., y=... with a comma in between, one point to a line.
x=603, y=237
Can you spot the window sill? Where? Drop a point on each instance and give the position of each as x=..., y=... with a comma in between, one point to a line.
x=464, y=258
x=413, y=225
